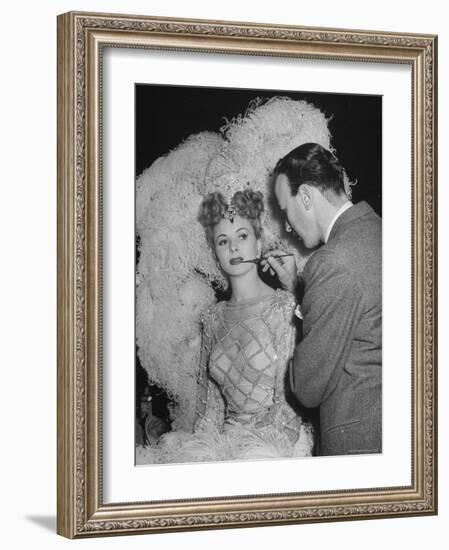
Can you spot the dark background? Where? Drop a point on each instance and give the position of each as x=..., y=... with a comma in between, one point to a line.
x=167, y=115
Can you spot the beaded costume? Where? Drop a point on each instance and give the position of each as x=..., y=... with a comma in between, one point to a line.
x=241, y=409
x=248, y=345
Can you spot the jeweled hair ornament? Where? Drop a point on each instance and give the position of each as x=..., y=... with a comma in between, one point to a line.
x=231, y=212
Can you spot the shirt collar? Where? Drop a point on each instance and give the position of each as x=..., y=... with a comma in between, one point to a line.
x=339, y=212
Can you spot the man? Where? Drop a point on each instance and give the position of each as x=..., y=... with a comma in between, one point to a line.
x=338, y=364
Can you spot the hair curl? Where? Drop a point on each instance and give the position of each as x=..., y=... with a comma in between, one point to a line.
x=247, y=204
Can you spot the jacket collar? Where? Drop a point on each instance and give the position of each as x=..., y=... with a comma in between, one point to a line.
x=339, y=212
x=356, y=211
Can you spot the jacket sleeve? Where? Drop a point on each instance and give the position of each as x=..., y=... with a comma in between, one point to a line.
x=331, y=308
x=210, y=407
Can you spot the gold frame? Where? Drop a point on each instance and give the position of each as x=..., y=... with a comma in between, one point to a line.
x=81, y=37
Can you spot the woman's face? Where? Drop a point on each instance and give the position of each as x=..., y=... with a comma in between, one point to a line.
x=233, y=241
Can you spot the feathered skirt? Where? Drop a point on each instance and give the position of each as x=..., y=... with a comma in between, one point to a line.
x=237, y=442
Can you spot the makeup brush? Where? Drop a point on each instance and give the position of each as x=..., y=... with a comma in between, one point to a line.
x=236, y=261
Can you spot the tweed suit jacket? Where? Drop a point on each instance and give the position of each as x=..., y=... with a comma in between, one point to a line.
x=338, y=364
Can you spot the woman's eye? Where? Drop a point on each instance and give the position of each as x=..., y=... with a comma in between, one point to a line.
x=243, y=236
x=221, y=242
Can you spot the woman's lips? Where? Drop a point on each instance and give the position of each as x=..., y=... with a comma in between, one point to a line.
x=235, y=261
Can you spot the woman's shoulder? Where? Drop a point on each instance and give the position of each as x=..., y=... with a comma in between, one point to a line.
x=280, y=317
x=283, y=299
x=281, y=306
x=212, y=312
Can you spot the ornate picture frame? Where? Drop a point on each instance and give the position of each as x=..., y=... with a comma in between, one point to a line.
x=82, y=508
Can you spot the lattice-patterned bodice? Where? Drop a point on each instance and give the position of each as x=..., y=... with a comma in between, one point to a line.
x=245, y=362
x=245, y=353
x=243, y=357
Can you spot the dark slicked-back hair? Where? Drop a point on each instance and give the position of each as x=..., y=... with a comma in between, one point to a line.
x=312, y=164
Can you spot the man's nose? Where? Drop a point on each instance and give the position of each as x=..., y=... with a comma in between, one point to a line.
x=288, y=227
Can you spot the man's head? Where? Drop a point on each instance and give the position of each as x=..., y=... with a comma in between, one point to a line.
x=309, y=187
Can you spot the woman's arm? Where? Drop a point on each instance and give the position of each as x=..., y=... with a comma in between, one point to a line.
x=210, y=406
x=282, y=414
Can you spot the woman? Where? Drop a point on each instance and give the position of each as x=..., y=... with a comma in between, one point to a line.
x=242, y=410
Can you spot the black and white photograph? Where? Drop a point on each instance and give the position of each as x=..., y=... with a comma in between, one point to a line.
x=258, y=224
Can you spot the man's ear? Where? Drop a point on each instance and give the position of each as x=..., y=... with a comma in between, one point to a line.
x=305, y=195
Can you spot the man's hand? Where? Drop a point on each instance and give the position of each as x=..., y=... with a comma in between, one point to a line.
x=285, y=268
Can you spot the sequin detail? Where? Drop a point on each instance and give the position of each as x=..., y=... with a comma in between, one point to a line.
x=245, y=354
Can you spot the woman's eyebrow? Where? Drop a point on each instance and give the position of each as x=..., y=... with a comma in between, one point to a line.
x=221, y=235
